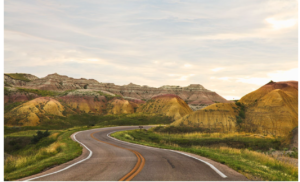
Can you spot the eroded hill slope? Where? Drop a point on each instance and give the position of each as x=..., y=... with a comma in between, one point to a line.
x=272, y=109
x=168, y=104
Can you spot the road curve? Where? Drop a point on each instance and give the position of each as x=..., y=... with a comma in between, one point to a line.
x=107, y=159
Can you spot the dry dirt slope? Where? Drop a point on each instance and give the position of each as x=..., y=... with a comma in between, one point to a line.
x=272, y=109
x=168, y=104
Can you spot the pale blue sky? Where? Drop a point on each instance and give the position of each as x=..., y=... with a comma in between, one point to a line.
x=229, y=46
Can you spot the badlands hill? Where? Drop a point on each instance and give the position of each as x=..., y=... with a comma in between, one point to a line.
x=272, y=109
x=168, y=104
x=32, y=109
x=195, y=94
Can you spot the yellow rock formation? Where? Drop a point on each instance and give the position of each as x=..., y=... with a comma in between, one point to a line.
x=270, y=110
x=120, y=106
x=220, y=117
x=28, y=113
x=168, y=104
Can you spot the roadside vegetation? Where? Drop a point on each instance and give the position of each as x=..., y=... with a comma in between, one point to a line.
x=32, y=149
x=52, y=150
x=252, y=161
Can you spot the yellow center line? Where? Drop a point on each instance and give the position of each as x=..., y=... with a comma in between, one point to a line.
x=138, y=166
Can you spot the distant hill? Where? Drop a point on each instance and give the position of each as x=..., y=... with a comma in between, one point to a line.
x=195, y=94
x=272, y=109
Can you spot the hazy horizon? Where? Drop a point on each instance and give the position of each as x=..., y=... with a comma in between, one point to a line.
x=231, y=47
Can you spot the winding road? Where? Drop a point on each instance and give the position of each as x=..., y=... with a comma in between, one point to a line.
x=107, y=159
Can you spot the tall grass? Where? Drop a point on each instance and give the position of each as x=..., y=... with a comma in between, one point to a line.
x=55, y=149
x=17, y=162
x=194, y=135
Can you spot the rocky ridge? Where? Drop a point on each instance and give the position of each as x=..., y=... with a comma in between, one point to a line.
x=194, y=94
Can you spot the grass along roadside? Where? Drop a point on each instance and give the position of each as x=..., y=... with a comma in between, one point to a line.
x=252, y=164
x=56, y=149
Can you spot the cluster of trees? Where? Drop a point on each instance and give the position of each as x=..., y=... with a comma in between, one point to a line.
x=39, y=135
x=241, y=116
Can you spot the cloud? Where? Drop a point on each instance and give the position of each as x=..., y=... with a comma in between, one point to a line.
x=187, y=65
x=216, y=69
x=222, y=45
x=279, y=24
x=280, y=75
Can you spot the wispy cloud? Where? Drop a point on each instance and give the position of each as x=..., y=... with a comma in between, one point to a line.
x=222, y=45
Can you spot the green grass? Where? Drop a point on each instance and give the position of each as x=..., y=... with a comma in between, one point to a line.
x=188, y=136
x=84, y=119
x=44, y=92
x=28, y=133
x=31, y=159
x=18, y=76
x=62, y=123
x=50, y=151
x=108, y=96
x=250, y=163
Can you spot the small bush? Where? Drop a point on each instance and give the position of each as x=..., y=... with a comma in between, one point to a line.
x=39, y=135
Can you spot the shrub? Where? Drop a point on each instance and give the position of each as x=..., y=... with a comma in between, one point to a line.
x=39, y=135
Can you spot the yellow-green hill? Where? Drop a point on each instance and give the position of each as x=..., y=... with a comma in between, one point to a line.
x=270, y=110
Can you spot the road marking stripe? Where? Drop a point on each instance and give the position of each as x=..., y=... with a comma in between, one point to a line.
x=138, y=166
x=90, y=155
x=207, y=163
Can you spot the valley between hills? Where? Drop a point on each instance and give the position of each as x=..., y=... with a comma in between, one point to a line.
x=257, y=136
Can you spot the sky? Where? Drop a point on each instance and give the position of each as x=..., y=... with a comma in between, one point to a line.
x=231, y=47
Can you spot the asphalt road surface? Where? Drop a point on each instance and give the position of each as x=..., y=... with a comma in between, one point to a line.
x=108, y=159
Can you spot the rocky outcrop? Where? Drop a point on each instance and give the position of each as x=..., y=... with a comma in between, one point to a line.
x=19, y=79
x=59, y=82
x=194, y=94
x=270, y=110
x=168, y=104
